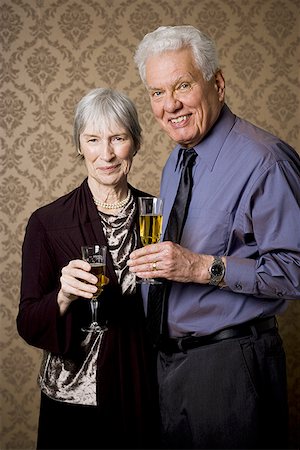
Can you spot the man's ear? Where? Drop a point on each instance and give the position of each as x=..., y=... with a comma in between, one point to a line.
x=220, y=85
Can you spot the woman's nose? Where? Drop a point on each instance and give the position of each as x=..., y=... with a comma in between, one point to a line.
x=106, y=151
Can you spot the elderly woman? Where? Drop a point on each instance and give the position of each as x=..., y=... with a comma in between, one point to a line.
x=97, y=389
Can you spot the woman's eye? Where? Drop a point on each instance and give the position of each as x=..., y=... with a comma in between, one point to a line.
x=92, y=140
x=118, y=139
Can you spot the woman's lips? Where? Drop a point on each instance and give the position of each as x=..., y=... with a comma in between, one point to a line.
x=109, y=168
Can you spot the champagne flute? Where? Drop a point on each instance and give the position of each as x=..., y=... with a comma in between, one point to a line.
x=151, y=218
x=95, y=255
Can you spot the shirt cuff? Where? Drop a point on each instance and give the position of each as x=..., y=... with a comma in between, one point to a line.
x=240, y=274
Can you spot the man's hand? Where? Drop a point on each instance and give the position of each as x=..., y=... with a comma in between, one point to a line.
x=170, y=261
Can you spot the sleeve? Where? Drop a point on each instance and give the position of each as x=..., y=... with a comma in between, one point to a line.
x=38, y=321
x=272, y=227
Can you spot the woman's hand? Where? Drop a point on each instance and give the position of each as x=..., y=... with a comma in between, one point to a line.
x=170, y=261
x=76, y=281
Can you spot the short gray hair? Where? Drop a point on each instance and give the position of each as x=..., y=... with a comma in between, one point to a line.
x=168, y=38
x=103, y=107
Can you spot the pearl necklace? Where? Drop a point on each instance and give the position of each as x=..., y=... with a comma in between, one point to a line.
x=113, y=205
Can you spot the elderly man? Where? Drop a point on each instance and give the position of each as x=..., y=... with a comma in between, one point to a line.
x=230, y=256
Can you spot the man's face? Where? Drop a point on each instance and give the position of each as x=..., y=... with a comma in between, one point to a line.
x=184, y=104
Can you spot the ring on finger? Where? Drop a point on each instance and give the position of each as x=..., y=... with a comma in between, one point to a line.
x=154, y=266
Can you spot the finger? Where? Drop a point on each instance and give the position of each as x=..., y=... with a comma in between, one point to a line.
x=147, y=268
x=148, y=258
x=147, y=250
x=149, y=274
x=80, y=264
x=78, y=273
x=72, y=286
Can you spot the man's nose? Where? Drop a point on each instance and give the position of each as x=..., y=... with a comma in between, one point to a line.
x=172, y=103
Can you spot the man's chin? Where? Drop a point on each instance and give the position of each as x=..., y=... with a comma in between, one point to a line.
x=183, y=138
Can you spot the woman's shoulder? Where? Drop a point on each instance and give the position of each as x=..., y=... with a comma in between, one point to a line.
x=60, y=210
x=138, y=193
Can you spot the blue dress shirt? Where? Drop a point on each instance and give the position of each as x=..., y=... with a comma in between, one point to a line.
x=245, y=205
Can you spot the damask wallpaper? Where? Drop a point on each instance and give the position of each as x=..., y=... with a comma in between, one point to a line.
x=52, y=53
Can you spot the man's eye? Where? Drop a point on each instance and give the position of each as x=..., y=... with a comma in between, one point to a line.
x=156, y=93
x=184, y=86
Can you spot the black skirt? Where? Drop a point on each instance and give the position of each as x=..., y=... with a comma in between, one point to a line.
x=67, y=426
x=127, y=415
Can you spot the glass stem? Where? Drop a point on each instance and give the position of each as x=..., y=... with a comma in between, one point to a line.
x=94, y=308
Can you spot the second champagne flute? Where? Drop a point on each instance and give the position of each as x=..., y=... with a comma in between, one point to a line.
x=151, y=218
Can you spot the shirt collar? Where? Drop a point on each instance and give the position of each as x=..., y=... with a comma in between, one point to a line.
x=208, y=149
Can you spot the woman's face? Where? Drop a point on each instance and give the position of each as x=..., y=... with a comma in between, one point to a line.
x=108, y=155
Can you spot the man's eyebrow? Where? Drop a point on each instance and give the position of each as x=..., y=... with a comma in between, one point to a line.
x=185, y=77
x=152, y=88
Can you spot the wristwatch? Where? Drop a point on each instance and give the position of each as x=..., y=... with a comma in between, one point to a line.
x=217, y=271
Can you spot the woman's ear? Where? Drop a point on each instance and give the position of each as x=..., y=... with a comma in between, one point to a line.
x=136, y=149
x=80, y=153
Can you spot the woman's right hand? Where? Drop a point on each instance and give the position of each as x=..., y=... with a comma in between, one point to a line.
x=76, y=281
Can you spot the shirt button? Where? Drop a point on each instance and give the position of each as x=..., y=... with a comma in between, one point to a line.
x=238, y=286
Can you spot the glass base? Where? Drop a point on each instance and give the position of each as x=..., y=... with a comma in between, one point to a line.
x=148, y=281
x=94, y=328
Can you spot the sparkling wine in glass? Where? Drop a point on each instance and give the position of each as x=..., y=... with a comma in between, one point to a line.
x=151, y=218
x=95, y=255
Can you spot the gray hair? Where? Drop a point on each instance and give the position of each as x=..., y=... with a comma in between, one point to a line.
x=168, y=38
x=103, y=107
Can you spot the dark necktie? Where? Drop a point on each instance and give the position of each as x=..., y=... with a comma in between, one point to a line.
x=158, y=293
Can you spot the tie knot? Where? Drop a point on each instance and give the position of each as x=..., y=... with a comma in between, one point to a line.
x=189, y=157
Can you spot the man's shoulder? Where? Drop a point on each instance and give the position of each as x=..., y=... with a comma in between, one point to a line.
x=262, y=143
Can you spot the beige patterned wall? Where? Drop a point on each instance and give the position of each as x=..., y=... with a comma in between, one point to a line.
x=52, y=52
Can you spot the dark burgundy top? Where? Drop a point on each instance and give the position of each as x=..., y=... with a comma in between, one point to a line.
x=54, y=235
